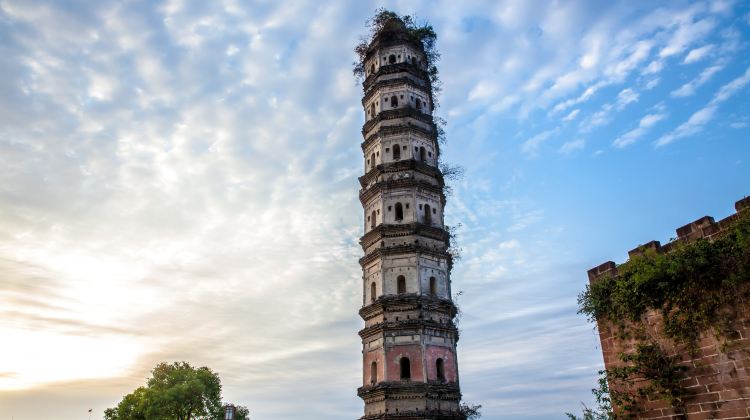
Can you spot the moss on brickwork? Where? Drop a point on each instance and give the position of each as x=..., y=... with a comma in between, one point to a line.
x=697, y=286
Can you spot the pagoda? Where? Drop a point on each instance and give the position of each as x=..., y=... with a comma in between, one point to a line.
x=410, y=368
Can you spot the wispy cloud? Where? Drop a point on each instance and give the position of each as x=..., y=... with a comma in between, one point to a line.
x=644, y=125
x=687, y=34
x=689, y=88
x=602, y=117
x=588, y=93
x=700, y=118
x=698, y=54
x=572, y=115
x=531, y=146
x=571, y=146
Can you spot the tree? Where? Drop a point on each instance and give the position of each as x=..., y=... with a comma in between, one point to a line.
x=175, y=391
x=132, y=407
x=603, y=402
x=470, y=411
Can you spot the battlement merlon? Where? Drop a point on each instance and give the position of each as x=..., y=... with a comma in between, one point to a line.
x=705, y=227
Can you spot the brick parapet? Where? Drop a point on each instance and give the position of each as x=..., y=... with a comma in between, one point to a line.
x=705, y=227
x=717, y=374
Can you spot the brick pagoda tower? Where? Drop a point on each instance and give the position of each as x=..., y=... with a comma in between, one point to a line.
x=409, y=363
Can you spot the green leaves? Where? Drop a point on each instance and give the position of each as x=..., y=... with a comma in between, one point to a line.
x=662, y=372
x=695, y=286
x=174, y=391
x=422, y=34
x=603, y=411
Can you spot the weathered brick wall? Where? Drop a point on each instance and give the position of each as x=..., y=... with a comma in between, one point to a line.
x=717, y=375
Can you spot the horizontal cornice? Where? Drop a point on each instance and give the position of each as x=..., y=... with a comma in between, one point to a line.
x=414, y=249
x=401, y=165
x=408, y=301
x=379, y=84
x=405, y=112
x=366, y=194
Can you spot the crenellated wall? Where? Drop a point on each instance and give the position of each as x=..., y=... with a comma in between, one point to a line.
x=717, y=374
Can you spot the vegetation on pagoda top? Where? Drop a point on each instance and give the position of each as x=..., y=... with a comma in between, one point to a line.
x=388, y=24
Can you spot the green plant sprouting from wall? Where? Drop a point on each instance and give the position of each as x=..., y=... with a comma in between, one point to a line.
x=421, y=34
x=662, y=375
x=603, y=409
x=696, y=287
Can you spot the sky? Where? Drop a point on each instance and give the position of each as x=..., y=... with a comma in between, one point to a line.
x=178, y=181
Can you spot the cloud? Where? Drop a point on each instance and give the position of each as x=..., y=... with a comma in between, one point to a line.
x=644, y=125
x=604, y=115
x=700, y=118
x=572, y=115
x=687, y=34
x=728, y=90
x=531, y=146
x=625, y=97
x=654, y=67
x=572, y=146
x=688, y=89
x=588, y=93
x=652, y=83
x=698, y=54
x=693, y=125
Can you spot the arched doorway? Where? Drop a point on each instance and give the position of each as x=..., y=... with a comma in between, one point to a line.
x=405, y=368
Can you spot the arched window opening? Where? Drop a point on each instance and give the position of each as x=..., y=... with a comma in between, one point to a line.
x=392, y=59
x=399, y=212
x=401, y=284
x=372, y=161
x=373, y=292
x=372, y=220
x=422, y=153
x=427, y=215
x=372, y=68
x=394, y=101
x=419, y=104
x=405, y=368
x=396, y=152
x=373, y=372
x=440, y=365
x=372, y=110
x=433, y=286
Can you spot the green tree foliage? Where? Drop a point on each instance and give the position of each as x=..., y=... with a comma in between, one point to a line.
x=175, y=391
x=603, y=410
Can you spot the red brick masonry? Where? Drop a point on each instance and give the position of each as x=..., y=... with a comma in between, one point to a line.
x=718, y=376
